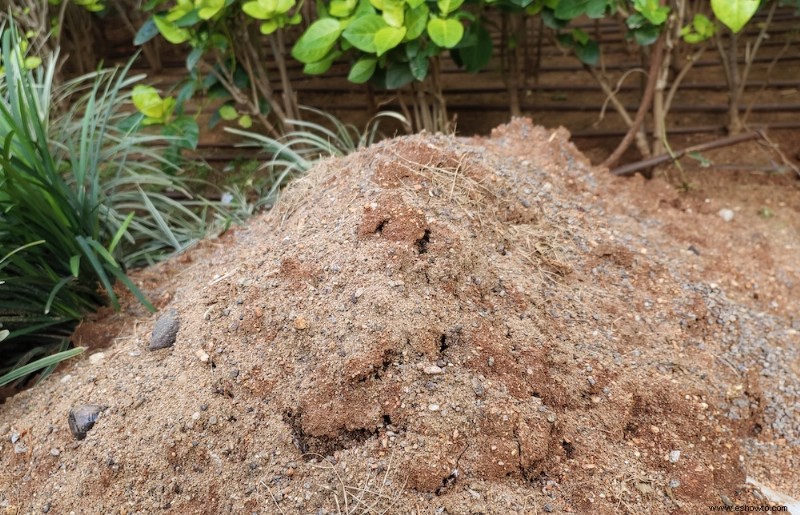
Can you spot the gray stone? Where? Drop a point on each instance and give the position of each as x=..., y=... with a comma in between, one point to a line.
x=165, y=330
x=82, y=418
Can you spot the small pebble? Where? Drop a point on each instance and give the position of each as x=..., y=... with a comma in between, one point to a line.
x=432, y=370
x=54, y=452
x=165, y=331
x=433, y=407
x=300, y=323
x=201, y=355
x=674, y=456
x=82, y=418
x=97, y=358
x=726, y=214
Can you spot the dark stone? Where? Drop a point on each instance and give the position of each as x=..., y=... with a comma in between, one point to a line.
x=82, y=418
x=165, y=331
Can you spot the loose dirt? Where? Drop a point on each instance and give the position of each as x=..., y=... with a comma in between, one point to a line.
x=443, y=325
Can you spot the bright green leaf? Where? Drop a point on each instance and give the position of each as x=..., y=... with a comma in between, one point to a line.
x=228, y=112
x=362, y=70
x=32, y=62
x=652, y=10
x=387, y=38
x=170, y=31
x=448, y=6
x=394, y=16
x=245, y=122
x=321, y=66
x=415, y=3
x=342, y=8
x=416, y=21
x=580, y=36
x=361, y=32
x=445, y=32
x=207, y=9
x=258, y=9
x=734, y=14
x=147, y=100
x=317, y=40
x=268, y=27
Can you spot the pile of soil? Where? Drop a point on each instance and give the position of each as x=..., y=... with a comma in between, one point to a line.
x=433, y=325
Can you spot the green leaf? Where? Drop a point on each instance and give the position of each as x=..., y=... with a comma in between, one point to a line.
x=551, y=21
x=245, y=122
x=362, y=70
x=39, y=364
x=321, y=66
x=170, y=31
x=398, y=75
x=394, y=16
x=228, y=112
x=646, y=35
x=419, y=66
x=184, y=128
x=207, y=9
x=387, y=38
x=146, y=32
x=476, y=56
x=445, y=32
x=570, y=9
x=734, y=14
x=701, y=29
x=75, y=262
x=342, y=8
x=32, y=62
x=268, y=27
x=361, y=32
x=448, y=6
x=580, y=36
x=588, y=53
x=193, y=58
x=147, y=100
x=652, y=10
x=259, y=9
x=414, y=3
x=111, y=247
x=416, y=20
x=317, y=40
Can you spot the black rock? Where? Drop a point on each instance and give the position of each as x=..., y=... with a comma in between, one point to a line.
x=82, y=418
x=165, y=331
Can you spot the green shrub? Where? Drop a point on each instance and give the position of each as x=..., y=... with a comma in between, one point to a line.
x=83, y=195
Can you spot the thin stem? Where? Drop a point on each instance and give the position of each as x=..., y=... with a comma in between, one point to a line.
x=647, y=99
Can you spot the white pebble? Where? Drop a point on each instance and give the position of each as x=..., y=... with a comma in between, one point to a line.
x=433, y=407
x=726, y=214
x=674, y=456
x=97, y=358
x=432, y=370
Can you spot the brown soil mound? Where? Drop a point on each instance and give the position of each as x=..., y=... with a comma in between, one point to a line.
x=432, y=325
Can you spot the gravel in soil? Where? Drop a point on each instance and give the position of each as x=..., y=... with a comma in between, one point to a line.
x=438, y=325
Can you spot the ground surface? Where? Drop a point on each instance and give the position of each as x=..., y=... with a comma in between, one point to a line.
x=441, y=325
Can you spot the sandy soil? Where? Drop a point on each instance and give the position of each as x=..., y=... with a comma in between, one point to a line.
x=442, y=325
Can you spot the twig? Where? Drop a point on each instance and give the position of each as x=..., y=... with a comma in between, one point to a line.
x=632, y=168
x=657, y=55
